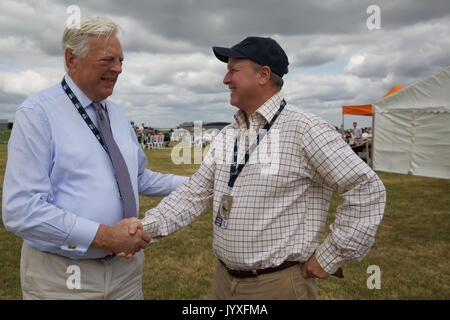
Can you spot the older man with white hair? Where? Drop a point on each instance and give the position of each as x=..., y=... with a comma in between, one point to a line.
x=73, y=176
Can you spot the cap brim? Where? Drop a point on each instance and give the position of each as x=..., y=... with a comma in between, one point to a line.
x=224, y=53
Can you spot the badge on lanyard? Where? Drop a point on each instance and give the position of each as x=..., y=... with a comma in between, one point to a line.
x=223, y=214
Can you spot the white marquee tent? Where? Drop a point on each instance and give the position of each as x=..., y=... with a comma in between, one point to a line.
x=411, y=129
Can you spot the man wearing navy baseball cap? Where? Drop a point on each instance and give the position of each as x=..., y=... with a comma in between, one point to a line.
x=262, y=57
x=264, y=51
x=270, y=216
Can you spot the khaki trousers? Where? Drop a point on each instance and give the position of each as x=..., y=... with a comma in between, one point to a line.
x=287, y=284
x=49, y=276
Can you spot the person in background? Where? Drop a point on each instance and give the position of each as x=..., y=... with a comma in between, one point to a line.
x=357, y=133
x=366, y=134
x=349, y=137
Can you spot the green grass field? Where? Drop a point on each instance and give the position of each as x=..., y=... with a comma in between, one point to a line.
x=411, y=249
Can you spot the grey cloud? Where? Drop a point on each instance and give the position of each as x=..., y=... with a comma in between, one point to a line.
x=11, y=100
x=8, y=105
x=396, y=14
x=213, y=22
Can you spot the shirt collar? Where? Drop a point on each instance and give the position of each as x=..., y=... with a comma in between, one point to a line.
x=263, y=114
x=81, y=96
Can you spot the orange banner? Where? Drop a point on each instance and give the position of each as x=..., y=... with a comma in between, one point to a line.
x=361, y=110
x=393, y=89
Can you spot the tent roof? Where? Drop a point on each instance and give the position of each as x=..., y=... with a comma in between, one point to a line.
x=366, y=109
x=411, y=132
x=431, y=92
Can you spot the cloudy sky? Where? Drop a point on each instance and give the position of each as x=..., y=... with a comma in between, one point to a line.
x=170, y=74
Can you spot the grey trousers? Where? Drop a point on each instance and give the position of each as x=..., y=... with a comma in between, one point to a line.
x=49, y=276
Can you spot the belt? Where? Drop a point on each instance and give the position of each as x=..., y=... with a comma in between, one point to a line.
x=107, y=257
x=255, y=273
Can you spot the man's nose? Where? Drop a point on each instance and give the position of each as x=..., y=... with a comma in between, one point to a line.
x=226, y=79
x=117, y=67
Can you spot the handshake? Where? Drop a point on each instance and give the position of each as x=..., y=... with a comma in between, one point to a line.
x=125, y=238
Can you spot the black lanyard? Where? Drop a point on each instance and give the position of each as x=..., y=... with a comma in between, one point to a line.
x=88, y=121
x=82, y=112
x=236, y=171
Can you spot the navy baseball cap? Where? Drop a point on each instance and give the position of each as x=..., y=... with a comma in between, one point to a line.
x=264, y=51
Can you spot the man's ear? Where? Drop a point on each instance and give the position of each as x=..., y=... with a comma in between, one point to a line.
x=70, y=59
x=264, y=74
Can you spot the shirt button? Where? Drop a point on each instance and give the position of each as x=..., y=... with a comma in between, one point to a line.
x=72, y=246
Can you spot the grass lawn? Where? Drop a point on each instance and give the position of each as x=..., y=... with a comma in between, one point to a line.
x=411, y=249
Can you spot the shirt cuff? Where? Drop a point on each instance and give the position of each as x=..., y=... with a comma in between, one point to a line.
x=81, y=236
x=329, y=257
x=151, y=225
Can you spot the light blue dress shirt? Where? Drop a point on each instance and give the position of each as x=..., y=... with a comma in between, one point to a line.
x=59, y=182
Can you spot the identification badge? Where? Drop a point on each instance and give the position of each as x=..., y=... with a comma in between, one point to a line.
x=223, y=213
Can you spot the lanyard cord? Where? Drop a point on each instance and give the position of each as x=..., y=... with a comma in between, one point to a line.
x=235, y=171
x=82, y=112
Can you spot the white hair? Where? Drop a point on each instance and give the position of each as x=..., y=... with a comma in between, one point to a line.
x=75, y=38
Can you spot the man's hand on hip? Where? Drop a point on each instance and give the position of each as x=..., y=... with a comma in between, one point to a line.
x=312, y=269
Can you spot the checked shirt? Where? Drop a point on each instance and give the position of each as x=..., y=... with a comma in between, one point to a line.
x=282, y=196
